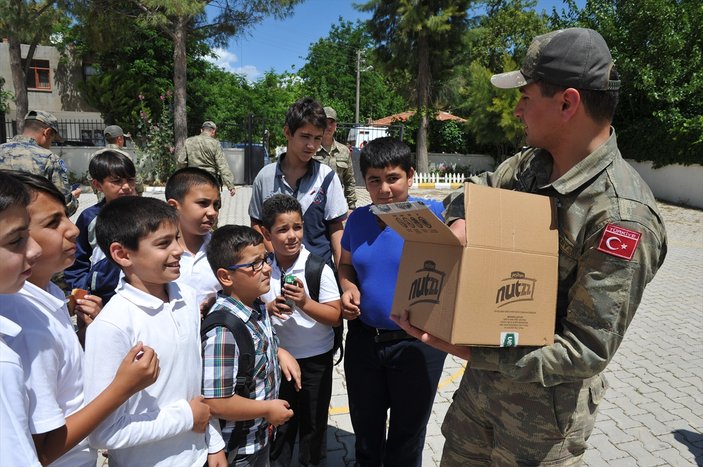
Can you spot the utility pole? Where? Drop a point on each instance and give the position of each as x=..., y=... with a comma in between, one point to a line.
x=358, y=82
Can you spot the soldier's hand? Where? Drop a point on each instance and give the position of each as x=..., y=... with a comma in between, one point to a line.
x=232, y=191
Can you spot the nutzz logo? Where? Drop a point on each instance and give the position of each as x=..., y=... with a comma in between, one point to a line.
x=516, y=288
x=427, y=285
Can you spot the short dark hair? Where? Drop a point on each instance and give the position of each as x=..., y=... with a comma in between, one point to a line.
x=599, y=105
x=278, y=204
x=385, y=152
x=111, y=164
x=12, y=191
x=128, y=219
x=182, y=180
x=35, y=184
x=305, y=110
x=34, y=125
x=228, y=242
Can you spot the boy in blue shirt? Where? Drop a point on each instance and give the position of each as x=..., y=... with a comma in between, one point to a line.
x=381, y=361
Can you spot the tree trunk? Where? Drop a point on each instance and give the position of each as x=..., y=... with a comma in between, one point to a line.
x=423, y=102
x=18, y=81
x=180, y=124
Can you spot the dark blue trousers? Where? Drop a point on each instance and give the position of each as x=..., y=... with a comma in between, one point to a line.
x=400, y=375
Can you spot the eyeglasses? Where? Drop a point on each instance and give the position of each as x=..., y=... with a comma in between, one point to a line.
x=255, y=266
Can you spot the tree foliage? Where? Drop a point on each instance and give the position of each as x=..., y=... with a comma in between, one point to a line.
x=419, y=38
x=657, y=46
x=329, y=75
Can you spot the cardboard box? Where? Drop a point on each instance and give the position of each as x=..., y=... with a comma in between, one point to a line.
x=497, y=290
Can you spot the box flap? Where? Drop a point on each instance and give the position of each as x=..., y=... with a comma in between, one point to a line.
x=415, y=222
x=510, y=220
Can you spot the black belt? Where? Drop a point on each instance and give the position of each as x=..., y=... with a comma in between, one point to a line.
x=384, y=335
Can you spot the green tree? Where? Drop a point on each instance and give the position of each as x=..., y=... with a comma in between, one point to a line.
x=180, y=19
x=329, y=75
x=657, y=46
x=28, y=22
x=420, y=38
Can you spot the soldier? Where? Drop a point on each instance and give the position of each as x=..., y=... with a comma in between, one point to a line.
x=30, y=152
x=115, y=140
x=338, y=158
x=205, y=152
x=538, y=405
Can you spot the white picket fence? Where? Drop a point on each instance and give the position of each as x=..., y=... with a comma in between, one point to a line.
x=436, y=178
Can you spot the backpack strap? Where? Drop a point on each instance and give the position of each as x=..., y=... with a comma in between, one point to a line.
x=314, y=266
x=244, y=383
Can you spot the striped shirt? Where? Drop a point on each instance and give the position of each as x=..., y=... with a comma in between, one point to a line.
x=221, y=358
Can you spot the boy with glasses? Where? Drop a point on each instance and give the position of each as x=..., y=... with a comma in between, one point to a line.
x=243, y=268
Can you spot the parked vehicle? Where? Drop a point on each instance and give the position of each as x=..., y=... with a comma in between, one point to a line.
x=360, y=135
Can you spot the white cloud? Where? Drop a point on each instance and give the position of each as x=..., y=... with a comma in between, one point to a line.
x=228, y=61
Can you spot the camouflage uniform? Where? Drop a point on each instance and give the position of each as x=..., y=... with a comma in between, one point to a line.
x=24, y=154
x=536, y=405
x=139, y=186
x=205, y=152
x=339, y=159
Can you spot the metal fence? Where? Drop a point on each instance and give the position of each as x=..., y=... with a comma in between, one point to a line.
x=73, y=132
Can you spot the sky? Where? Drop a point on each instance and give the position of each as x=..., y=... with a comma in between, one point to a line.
x=282, y=45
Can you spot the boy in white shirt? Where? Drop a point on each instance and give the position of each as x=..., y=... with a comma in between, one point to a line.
x=17, y=254
x=165, y=424
x=48, y=347
x=195, y=193
x=303, y=321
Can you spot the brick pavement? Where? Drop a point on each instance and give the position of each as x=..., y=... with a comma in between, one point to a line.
x=652, y=414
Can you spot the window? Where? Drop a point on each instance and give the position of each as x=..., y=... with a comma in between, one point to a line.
x=39, y=75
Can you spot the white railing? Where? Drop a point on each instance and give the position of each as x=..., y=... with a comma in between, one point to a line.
x=436, y=178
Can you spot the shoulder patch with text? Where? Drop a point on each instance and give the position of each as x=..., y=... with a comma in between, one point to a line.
x=618, y=241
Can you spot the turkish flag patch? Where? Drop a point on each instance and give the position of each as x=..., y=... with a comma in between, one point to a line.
x=619, y=242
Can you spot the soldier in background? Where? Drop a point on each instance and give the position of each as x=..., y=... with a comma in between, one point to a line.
x=30, y=152
x=204, y=151
x=116, y=140
x=337, y=156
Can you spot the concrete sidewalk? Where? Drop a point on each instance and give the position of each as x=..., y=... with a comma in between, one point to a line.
x=652, y=414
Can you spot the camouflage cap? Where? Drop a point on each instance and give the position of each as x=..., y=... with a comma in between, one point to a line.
x=331, y=113
x=575, y=58
x=47, y=119
x=113, y=131
x=209, y=124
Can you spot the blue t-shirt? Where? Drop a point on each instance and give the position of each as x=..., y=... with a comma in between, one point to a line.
x=376, y=257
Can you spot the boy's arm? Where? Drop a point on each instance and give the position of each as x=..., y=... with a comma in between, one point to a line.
x=327, y=310
x=351, y=296
x=133, y=375
x=336, y=229
x=237, y=408
x=289, y=367
x=105, y=346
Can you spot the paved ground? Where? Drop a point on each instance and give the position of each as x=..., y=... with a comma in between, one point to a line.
x=652, y=414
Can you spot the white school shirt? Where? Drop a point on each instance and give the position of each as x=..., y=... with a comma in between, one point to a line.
x=52, y=360
x=16, y=445
x=154, y=426
x=300, y=334
x=197, y=273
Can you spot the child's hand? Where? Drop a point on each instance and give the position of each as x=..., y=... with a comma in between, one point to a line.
x=278, y=412
x=351, y=298
x=296, y=293
x=88, y=308
x=201, y=414
x=278, y=308
x=138, y=370
x=289, y=367
x=206, y=305
x=217, y=459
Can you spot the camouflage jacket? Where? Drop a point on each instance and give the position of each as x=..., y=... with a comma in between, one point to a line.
x=598, y=293
x=339, y=160
x=24, y=154
x=205, y=152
